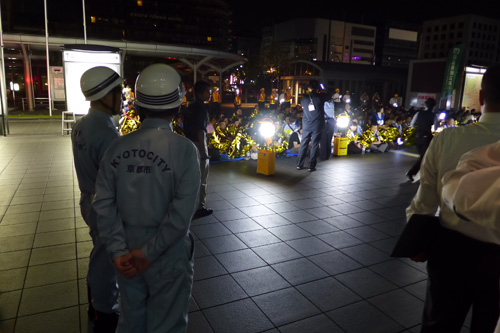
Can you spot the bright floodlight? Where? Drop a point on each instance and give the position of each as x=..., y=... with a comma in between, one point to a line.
x=343, y=121
x=395, y=105
x=348, y=100
x=267, y=129
x=442, y=116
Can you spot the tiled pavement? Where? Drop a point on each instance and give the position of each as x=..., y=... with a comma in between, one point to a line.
x=293, y=252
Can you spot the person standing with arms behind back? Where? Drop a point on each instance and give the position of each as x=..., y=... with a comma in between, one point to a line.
x=195, y=129
x=146, y=195
x=90, y=137
x=423, y=121
x=463, y=269
x=313, y=122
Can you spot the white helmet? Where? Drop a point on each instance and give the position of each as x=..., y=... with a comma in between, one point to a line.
x=159, y=87
x=97, y=82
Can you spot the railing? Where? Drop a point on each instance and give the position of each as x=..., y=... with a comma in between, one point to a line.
x=40, y=100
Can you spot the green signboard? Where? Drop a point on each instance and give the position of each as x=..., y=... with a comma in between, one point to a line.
x=453, y=64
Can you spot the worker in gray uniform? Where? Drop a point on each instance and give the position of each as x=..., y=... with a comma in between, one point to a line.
x=91, y=135
x=147, y=192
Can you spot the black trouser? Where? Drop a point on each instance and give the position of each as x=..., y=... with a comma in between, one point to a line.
x=325, y=146
x=463, y=272
x=353, y=149
x=313, y=137
x=422, y=143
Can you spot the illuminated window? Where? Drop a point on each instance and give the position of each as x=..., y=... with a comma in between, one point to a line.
x=209, y=39
x=92, y=19
x=139, y=3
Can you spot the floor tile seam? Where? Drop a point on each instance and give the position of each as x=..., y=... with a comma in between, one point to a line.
x=374, y=229
x=393, y=285
x=321, y=252
x=291, y=239
x=299, y=284
x=282, y=276
x=339, y=248
x=413, y=284
x=238, y=300
x=298, y=291
x=364, y=243
x=257, y=246
x=26, y=275
x=205, y=317
x=388, y=314
x=52, y=283
x=77, y=307
x=370, y=267
x=251, y=298
x=57, y=244
x=403, y=330
x=8, y=205
x=315, y=234
x=271, y=265
x=423, y=269
x=396, y=220
x=308, y=317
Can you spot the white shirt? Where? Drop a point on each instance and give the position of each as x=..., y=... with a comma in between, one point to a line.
x=443, y=155
x=148, y=180
x=473, y=188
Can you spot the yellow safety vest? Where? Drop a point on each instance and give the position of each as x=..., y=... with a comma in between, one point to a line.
x=262, y=97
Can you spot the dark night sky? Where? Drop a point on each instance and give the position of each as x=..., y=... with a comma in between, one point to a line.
x=251, y=15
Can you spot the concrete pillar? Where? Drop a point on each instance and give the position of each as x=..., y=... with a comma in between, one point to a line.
x=28, y=78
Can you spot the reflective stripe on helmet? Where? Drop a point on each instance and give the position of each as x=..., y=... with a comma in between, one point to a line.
x=151, y=100
x=103, y=85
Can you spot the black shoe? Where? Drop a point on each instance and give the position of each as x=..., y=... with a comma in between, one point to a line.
x=311, y=169
x=202, y=212
x=410, y=177
x=300, y=168
x=105, y=322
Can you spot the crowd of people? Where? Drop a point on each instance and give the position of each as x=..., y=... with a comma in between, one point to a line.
x=372, y=126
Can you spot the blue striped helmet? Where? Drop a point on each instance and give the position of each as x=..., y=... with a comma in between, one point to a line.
x=159, y=87
x=98, y=81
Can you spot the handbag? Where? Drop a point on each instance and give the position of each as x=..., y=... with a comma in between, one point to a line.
x=417, y=236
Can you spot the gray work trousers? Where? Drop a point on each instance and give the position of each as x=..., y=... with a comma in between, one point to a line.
x=157, y=299
x=101, y=277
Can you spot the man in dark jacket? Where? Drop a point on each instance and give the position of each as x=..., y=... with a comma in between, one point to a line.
x=195, y=129
x=423, y=121
x=313, y=122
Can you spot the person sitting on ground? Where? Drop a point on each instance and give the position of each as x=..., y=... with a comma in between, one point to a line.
x=353, y=134
x=376, y=144
x=294, y=141
x=450, y=122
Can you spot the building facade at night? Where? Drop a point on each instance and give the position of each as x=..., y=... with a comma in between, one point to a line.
x=342, y=55
x=475, y=39
x=201, y=23
x=397, y=44
x=480, y=35
x=196, y=27
x=326, y=40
